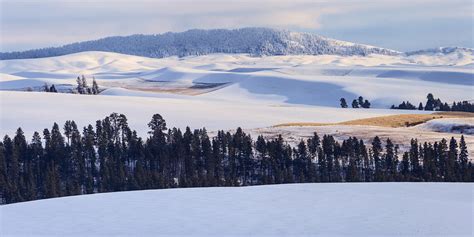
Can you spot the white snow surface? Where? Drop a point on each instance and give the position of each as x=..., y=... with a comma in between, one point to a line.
x=343, y=209
x=223, y=91
x=304, y=80
x=34, y=111
x=450, y=125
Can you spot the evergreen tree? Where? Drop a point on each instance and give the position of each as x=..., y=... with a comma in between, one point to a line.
x=46, y=88
x=84, y=85
x=360, y=100
x=430, y=103
x=464, y=160
x=452, y=161
x=53, y=89
x=355, y=104
x=80, y=86
x=366, y=104
x=420, y=106
x=376, y=153
x=95, y=87
x=343, y=103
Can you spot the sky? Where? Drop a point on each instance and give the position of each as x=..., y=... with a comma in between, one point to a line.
x=403, y=25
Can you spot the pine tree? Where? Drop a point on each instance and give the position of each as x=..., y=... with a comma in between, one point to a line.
x=343, y=103
x=355, y=104
x=405, y=166
x=3, y=175
x=366, y=104
x=441, y=151
x=80, y=87
x=390, y=161
x=414, y=158
x=157, y=123
x=95, y=87
x=84, y=85
x=376, y=153
x=53, y=89
x=46, y=88
x=430, y=103
x=420, y=106
x=360, y=100
x=451, y=162
x=463, y=159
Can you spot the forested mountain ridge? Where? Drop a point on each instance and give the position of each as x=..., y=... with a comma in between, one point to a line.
x=253, y=41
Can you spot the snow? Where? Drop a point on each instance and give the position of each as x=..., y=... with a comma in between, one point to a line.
x=363, y=209
x=220, y=91
x=451, y=125
x=34, y=111
x=302, y=79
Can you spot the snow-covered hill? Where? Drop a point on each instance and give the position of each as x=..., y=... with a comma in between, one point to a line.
x=254, y=41
x=222, y=91
x=370, y=209
x=308, y=80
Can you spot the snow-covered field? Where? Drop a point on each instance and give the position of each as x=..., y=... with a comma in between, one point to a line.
x=450, y=125
x=302, y=80
x=223, y=91
x=34, y=111
x=370, y=209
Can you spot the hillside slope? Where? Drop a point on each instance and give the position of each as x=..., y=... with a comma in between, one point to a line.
x=370, y=209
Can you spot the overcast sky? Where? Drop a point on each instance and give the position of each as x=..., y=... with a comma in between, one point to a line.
x=397, y=24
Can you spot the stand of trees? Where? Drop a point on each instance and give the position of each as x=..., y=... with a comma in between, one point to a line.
x=433, y=104
x=83, y=87
x=51, y=88
x=356, y=103
x=111, y=157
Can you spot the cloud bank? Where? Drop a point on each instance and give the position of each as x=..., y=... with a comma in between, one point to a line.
x=401, y=25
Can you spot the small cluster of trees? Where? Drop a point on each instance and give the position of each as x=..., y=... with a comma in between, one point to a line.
x=83, y=87
x=433, y=104
x=111, y=157
x=51, y=88
x=356, y=103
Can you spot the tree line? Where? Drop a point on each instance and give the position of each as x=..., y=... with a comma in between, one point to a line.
x=82, y=87
x=433, y=104
x=110, y=156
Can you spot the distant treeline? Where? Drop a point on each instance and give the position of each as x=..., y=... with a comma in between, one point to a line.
x=433, y=104
x=111, y=157
x=81, y=88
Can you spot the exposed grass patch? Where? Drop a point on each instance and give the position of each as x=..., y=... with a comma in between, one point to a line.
x=392, y=121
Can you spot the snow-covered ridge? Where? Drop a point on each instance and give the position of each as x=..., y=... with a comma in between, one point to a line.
x=254, y=41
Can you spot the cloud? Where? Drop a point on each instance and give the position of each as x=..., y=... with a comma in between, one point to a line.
x=55, y=22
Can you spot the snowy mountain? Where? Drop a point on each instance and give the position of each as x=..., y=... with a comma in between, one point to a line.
x=254, y=41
